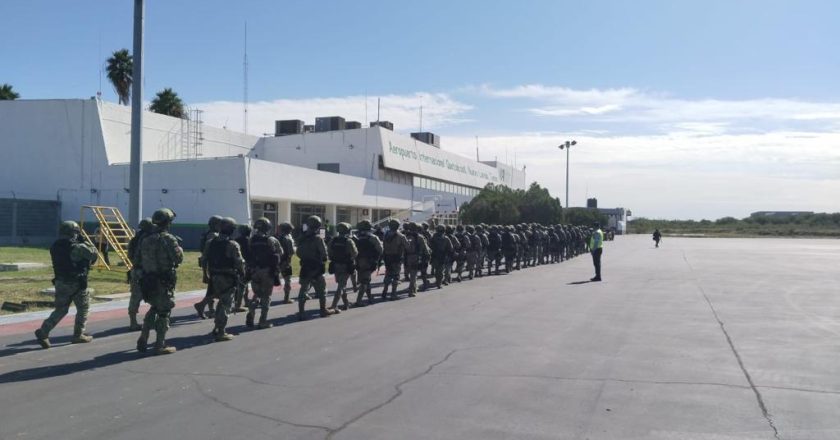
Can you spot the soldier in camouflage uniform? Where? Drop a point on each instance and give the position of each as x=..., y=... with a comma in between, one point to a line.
x=143, y=229
x=243, y=236
x=312, y=252
x=212, y=232
x=417, y=250
x=71, y=260
x=160, y=255
x=370, y=250
x=226, y=268
x=342, y=253
x=264, y=267
x=288, y=245
x=393, y=251
x=473, y=251
x=441, y=248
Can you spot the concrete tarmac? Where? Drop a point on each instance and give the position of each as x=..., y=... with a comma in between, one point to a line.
x=700, y=339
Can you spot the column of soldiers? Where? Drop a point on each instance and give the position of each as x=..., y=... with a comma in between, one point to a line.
x=234, y=257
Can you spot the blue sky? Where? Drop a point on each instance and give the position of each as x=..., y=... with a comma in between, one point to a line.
x=688, y=109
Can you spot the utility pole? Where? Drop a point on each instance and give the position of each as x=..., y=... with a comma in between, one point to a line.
x=135, y=172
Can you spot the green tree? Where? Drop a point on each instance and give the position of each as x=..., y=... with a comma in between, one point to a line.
x=120, y=68
x=584, y=216
x=498, y=204
x=167, y=102
x=7, y=94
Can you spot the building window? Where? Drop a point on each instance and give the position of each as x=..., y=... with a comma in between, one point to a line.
x=343, y=215
x=301, y=212
x=330, y=167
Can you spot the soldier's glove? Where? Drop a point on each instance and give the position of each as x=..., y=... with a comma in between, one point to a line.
x=276, y=279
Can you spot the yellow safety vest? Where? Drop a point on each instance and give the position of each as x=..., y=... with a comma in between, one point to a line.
x=597, y=240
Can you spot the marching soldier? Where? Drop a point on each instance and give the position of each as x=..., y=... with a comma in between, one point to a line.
x=226, y=268
x=71, y=259
x=160, y=256
x=264, y=267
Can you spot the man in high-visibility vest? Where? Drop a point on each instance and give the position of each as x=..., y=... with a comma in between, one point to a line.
x=596, y=247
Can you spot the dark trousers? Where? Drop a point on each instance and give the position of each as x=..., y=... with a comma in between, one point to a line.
x=596, y=260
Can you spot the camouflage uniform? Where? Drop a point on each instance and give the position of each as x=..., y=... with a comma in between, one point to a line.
x=288, y=246
x=393, y=251
x=441, y=248
x=312, y=252
x=264, y=267
x=136, y=273
x=71, y=259
x=342, y=253
x=370, y=250
x=243, y=235
x=208, y=236
x=226, y=268
x=160, y=255
x=417, y=250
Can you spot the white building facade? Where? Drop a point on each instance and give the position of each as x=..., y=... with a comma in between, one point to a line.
x=76, y=152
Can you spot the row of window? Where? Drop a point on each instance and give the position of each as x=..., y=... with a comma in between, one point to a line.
x=439, y=185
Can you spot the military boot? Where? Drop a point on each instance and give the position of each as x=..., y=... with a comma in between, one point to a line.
x=249, y=318
x=393, y=296
x=81, y=338
x=264, y=324
x=301, y=311
x=133, y=325
x=324, y=312
x=199, y=309
x=220, y=335
x=385, y=291
x=161, y=347
x=42, y=338
x=143, y=340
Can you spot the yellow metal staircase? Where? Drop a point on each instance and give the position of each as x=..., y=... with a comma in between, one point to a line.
x=112, y=231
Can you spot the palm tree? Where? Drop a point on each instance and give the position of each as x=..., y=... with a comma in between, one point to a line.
x=7, y=94
x=120, y=67
x=167, y=102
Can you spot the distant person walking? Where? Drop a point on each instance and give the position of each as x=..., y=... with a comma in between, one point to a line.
x=657, y=236
x=596, y=248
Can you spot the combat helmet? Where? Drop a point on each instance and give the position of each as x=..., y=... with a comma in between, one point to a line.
x=145, y=225
x=314, y=223
x=286, y=227
x=244, y=230
x=440, y=228
x=227, y=226
x=163, y=217
x=394, y=224
x=263, y=225
x=364, y=225
x=342, y=228
x=214, y=221
x=68, y=228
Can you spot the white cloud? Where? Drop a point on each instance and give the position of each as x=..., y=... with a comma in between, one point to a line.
x=439, y=110
x=631, y=105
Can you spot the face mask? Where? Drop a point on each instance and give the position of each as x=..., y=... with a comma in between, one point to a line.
x=305, y=228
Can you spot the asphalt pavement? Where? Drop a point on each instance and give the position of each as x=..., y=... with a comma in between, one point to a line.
x=700, y=339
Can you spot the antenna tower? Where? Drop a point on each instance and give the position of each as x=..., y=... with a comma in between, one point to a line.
x=245, y=83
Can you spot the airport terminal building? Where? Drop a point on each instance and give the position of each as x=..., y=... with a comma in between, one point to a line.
x=73, y=152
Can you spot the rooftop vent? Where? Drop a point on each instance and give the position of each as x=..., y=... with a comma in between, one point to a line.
x=384, y=124
x=352, y=125
x=329, y=123
x=428, y=138
x=287, y=127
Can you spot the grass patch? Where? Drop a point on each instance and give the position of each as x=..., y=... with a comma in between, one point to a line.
x=27, y=285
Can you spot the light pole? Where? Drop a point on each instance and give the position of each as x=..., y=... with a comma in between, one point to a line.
x=135, y=168
x=567, y=146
